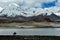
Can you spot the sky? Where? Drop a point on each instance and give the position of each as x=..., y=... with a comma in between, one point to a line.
x=34, y=3
x=49, y=4
x=38, y=3
x=29, y=1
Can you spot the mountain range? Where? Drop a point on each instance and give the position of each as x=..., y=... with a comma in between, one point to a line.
x=13, y=10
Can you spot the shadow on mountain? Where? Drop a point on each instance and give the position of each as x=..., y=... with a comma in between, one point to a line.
x=21, y=19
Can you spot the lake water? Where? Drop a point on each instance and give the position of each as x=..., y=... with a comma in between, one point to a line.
x=32, y=31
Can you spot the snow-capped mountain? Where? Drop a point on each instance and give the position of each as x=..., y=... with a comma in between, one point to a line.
x=13, y=10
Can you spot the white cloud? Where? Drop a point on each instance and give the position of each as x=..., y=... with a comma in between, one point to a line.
x=28, y=1
x=9, y=0
x=58, y=3
x=46, y=0
x=34, y=3
x=6, y=0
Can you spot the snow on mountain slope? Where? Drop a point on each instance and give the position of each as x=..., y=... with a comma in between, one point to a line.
x=13, y=9
x=1, y=9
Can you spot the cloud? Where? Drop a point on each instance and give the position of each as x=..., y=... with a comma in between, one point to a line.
x=29, y=3
x=46, y=0
x=6, y=0
x=58, y=3
x=10, y=0
x=34, y=3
